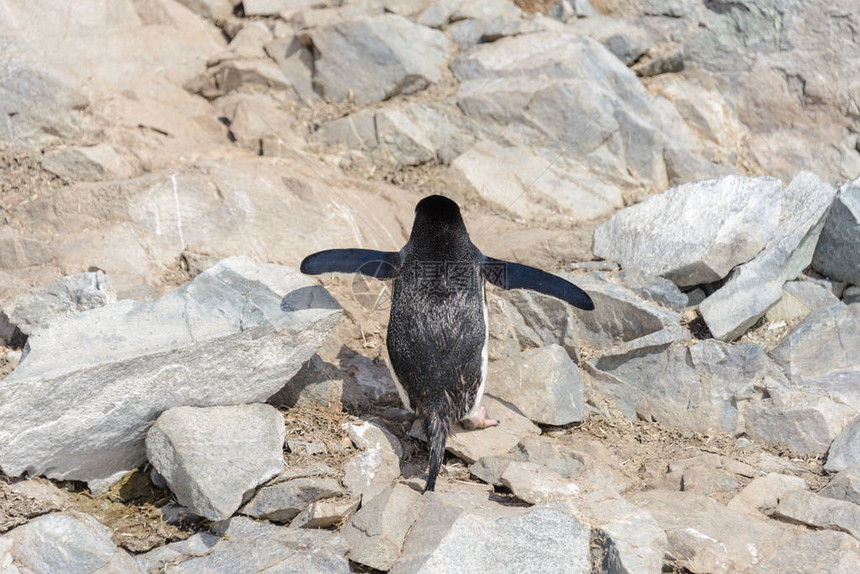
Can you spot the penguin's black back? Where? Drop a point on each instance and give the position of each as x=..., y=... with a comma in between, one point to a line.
x=436, y=330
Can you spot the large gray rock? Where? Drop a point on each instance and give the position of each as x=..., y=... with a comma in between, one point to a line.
x=544, y=384
x=569, y=95
x=284, y=501
x=820, y=551
x=376, y=58
x=524, y=181
x=212, y=9
x=39, y=307
x=756, y=286
x=96, y=382
x=376, y=532
x=694, y=233
x=256, y=547
x=704, y=536
x=698, y=387
x=845, y=449
x=837, y=248
x=822, y=352
x=845, y=485
x=819, y=512
x=454, y=534
x=63, y=542
x=213, y=457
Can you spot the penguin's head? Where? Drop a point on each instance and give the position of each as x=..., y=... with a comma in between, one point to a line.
x=438, y=211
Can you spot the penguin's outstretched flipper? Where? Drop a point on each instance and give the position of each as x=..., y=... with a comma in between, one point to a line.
x=508, y=275
x=376, y=264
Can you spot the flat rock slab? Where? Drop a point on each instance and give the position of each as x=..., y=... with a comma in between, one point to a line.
x=471, y=445
x=376, y=58
x=80, y=403
x=836, y=252
x=212, y=457
x=544, y=384
x=704, y=536
x=63, y=542
x=39, y=307
x=284, y=501
x=819, y=511
x=254, y=547
x=696, y=232
x=376, y=533
x=370, y=472
x=756, y=286
x=822, y=551
x=453, y=534
x=845, y=448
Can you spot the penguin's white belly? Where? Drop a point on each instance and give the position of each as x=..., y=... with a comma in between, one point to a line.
x=485, y=354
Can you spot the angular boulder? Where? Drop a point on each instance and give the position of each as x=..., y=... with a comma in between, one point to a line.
x=696, y=232
x=756, y=286
x=79, y=404
x=544, y=384
x=373, y=59
x=836, y=254
x=213, y=457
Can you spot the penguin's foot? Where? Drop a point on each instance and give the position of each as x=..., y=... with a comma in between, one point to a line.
x=480, y=421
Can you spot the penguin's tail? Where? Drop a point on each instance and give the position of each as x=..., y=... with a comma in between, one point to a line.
x=436, y=428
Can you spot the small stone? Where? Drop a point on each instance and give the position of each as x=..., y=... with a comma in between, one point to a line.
x=325, y=513
x=535, y=484
x=306, y=448
x=284, y=501
x=370, y=472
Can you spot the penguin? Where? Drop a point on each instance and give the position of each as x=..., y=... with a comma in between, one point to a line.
x=438, y=329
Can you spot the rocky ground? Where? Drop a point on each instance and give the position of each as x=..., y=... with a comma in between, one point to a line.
x=176, y=397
